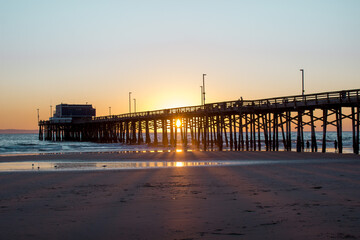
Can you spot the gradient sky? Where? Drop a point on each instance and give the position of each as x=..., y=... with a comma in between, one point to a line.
x=98, y=51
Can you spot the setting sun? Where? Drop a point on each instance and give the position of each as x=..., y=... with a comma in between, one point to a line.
x=178, y=123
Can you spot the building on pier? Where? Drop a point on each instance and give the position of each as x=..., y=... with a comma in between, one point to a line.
x=70, y=112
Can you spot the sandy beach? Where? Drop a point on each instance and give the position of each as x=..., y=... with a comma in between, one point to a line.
x=302, y=200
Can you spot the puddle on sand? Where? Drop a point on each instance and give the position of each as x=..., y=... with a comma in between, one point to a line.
x=117, y=165
x=86, y=166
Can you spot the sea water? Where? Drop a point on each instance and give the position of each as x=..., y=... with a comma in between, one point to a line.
x=30, y=144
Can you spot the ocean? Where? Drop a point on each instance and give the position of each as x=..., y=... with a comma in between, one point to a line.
x=30, y=144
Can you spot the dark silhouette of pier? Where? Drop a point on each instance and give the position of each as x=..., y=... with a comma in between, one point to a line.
x=236, y=125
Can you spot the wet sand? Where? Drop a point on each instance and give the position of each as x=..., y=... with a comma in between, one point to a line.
x=308, y=200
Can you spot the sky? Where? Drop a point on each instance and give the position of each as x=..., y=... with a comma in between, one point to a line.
x=96, y=52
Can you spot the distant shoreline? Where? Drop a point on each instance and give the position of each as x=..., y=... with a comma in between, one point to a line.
x=17, y=131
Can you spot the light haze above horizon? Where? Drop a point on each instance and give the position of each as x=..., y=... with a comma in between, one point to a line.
x=54, y=52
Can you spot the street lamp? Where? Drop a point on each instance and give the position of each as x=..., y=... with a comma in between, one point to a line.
x=201, y=94
x=38, y=115
x=203, y=88
x=129, y=102
x=134, y=105
x=302, y=77
x=110, y=111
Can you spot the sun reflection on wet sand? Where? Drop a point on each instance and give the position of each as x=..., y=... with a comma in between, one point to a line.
x=86, y=166
x=179, y=164
x=118, y=165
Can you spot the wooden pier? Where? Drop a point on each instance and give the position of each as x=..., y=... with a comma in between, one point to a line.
x=242, y=125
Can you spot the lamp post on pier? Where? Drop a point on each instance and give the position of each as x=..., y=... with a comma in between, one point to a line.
x=201, y=95
x=302, y=78
x=134, y=105
x=203, y=88
x=129, y=102
x=110, y=111
x=38, y=115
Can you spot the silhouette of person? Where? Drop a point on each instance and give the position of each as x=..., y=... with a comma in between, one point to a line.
x=335, y=145
x=307, y=145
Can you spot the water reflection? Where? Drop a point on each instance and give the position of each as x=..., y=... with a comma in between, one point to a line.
x=116, y=165
x=179, y=164
x=74, y=166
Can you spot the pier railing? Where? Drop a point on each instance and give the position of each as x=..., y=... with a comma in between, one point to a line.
x=345, y=96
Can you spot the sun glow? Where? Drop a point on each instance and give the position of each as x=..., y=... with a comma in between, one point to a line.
x=179, y=164
x=178, y=123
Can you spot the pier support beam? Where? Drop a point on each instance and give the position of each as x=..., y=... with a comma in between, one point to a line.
x=299, y=140
x=325, y=122
x=313, y=137
x=355, y=129
x=155, y=133
x=339, y=129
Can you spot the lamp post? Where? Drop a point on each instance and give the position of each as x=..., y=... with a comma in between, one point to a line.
x=201, y=94
x=134, y=105
x=203, y=88
x=129, y=102
x=50, y=110
x=302, y=78
x=110, y=111
x=38, y=115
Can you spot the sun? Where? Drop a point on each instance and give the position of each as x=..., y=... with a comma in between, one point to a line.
x=178, y=123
